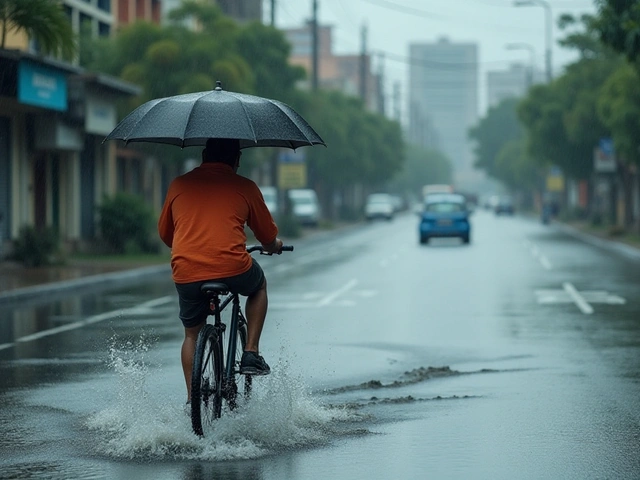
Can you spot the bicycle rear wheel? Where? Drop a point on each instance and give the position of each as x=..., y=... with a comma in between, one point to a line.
x=206, y=379
x=242, y=382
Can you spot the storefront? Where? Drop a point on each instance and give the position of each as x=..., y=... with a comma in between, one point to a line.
x=53, y=168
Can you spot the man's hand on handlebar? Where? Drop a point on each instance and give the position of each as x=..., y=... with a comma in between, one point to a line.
x=274, y=247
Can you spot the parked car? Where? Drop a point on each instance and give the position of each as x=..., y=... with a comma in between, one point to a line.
x=379, y=205
x=305, y=206
x=445, y=215
x=270, y=195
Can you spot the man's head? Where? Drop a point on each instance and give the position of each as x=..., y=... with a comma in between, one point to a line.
x=224, y=150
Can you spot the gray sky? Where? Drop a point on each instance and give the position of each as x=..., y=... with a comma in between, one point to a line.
x=394, y=24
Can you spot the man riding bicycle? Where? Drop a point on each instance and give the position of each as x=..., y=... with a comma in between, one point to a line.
x=202, y=221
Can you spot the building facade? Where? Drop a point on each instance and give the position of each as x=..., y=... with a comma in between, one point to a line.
x=335, y=72
x=54, y=168
x=443, y=102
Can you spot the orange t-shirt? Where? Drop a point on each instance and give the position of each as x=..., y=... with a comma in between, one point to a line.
x=203, y=219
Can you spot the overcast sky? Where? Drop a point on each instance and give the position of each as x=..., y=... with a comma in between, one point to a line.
x=394, y=24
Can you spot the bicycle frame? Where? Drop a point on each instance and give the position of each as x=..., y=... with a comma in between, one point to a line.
x=217, y=307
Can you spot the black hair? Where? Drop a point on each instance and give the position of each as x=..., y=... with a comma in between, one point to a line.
x=223, y=150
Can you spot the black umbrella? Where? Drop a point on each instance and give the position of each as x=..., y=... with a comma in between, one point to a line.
x=190, y=119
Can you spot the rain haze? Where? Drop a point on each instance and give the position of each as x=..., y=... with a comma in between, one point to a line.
x=392, y=25
x=457, y=292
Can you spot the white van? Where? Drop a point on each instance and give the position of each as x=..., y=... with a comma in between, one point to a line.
x=305, y=206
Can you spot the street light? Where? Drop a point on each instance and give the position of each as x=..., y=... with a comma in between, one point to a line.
x=549, y=25
x=532, y=58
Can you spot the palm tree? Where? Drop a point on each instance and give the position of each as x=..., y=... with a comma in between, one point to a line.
x=43, y=21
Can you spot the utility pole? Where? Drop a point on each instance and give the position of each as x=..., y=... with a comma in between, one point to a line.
x=548, y=31
x=363, y=64
x=381, y=99
x=314, y=46
x=273, y=13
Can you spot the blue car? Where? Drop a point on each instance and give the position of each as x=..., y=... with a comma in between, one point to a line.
x=445, y=215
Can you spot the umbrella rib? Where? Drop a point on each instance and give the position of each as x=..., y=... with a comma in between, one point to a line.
x=184, y=132
x=291, y=121
x=142, y=117
x=253, y=130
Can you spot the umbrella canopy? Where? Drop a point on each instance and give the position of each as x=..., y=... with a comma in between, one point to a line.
x=190, y=119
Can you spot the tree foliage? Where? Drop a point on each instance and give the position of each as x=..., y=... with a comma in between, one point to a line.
x=493, y=132
x=619, y=27
x=619, y=109
x=43, y=21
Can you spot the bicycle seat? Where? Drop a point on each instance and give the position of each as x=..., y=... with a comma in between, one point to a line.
x=217, y=288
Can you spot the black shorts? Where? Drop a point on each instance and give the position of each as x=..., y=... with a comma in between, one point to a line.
x=194, y=306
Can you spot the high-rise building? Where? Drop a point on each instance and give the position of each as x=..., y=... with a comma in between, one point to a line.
x=443, y=102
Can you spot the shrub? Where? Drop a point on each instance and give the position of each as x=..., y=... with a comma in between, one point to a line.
x=36, y=246
x=126, y=222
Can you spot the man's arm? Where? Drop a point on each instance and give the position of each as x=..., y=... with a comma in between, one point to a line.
x=273, y=247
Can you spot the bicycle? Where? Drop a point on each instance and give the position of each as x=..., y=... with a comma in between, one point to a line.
x=215, y=380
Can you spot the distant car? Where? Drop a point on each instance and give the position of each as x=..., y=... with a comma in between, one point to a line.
x=305, y=206
x=504, y=206
x=445, y=215
x=379, y=205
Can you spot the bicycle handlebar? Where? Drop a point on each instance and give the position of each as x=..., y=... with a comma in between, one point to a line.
x=260, y=248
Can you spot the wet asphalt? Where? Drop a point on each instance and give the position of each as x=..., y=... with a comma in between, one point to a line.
x=516, y=356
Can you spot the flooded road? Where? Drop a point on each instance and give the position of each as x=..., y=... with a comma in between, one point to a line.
x=514, y=357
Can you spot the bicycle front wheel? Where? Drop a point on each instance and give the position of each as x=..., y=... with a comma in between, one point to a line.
x=206, y=379
x=243, y=382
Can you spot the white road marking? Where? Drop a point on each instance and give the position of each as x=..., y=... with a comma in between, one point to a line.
x=90, y=320
x=545, y=262
x=584, y=299
x=577, y=298
x=332, y=296
x=535, y=251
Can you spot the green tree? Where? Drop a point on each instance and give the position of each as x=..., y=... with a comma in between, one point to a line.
x=619, y=109
x=43, y=21
x=562, y=120
x=500, y=126
x=619, y=27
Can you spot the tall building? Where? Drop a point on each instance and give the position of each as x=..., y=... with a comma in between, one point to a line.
x=511, y=83
x=443, y=102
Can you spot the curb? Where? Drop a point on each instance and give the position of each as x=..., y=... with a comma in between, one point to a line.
x=118, y=278
x=611, y=245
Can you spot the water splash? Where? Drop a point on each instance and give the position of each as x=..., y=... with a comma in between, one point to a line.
x=145, y=421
